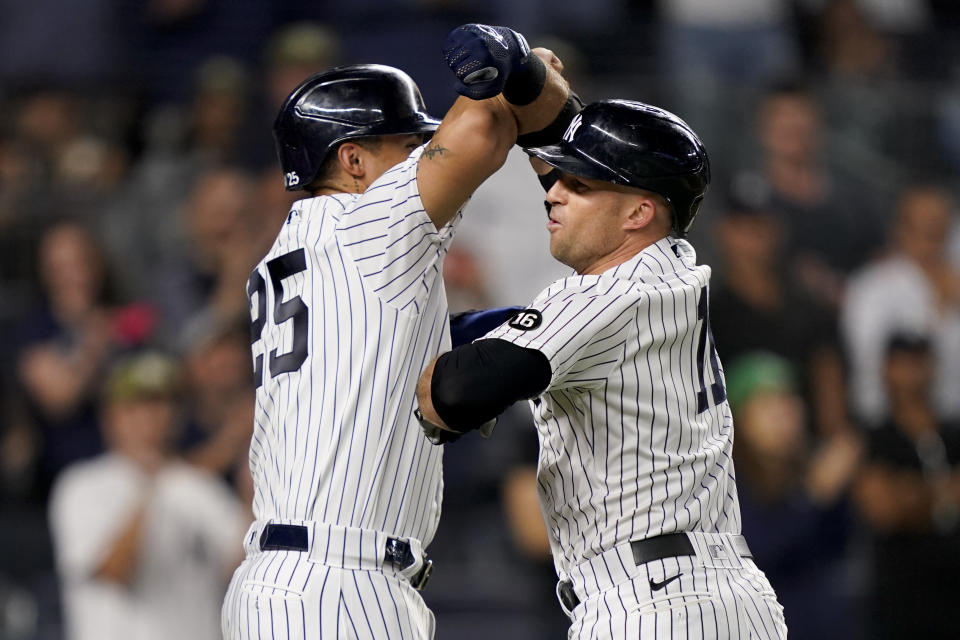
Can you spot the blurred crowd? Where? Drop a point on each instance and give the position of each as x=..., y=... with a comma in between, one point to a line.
x=138, y=188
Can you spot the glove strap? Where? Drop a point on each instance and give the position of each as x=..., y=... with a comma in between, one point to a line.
x=526, y=80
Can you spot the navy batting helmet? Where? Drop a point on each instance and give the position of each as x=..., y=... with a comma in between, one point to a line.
x=637, y=145
x=342, y=104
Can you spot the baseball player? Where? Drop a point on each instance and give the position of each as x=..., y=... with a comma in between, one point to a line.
x=635, y=477
x=347, y=308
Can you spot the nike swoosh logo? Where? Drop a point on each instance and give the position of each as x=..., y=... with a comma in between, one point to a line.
x=656, y=586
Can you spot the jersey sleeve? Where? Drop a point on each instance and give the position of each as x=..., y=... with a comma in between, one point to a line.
x=578, y=326
x=392, y=240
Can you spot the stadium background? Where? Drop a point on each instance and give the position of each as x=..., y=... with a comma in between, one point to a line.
x=138, y=184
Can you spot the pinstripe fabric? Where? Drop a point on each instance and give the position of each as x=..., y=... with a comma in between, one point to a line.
x=335, y=441
x=334, y=437
x=284, y=594
x=636, y=440
x=624, y=453
x=703, y=603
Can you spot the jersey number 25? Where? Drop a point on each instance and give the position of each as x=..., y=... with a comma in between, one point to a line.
x=293, y=310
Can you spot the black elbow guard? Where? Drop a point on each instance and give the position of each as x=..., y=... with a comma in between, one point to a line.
x=477, y=382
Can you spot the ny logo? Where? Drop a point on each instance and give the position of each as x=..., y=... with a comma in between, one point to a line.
x=572, y=129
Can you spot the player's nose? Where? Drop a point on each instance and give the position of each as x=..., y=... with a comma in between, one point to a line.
x=554, y=196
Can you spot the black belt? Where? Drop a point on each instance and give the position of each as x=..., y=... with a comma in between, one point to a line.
x=292, y=537
x=668, y=545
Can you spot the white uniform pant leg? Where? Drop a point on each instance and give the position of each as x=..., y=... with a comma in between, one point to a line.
x=282, y=594
x=380, y=605
x=703, y=603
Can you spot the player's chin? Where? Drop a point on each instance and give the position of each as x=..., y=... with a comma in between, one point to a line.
x=557, y=248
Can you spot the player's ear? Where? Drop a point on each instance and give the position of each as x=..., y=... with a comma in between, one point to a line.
x=351, y=160
x=642, y=210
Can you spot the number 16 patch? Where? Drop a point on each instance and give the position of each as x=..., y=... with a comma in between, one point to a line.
x=526, y=320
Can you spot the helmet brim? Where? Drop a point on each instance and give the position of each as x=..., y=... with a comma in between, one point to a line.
x=422, y=123
x=577, y=163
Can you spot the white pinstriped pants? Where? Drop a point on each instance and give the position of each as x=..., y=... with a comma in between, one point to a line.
x=718, y=595
x=341, y=589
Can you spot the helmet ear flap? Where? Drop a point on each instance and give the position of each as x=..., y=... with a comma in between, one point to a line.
x=681, y=227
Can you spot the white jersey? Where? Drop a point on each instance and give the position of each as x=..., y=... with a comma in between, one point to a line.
x=190, y=541
x=893, y=296
x=348, y=308
x=635, y=432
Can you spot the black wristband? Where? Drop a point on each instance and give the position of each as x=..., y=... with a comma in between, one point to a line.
x=526, y=81
x=553, y=132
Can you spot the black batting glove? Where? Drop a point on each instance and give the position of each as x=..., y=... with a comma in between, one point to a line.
x=490, y=60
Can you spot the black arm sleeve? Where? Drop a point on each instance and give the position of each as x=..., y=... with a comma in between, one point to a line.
x=476, y=382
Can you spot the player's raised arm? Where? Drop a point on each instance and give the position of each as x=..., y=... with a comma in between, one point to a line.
x=509, y=91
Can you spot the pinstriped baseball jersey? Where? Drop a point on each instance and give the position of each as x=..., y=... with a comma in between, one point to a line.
x=635, y=431
x=348, y=307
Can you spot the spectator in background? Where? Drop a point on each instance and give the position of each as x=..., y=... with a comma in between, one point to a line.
x=218, y=113
x=296, y=52
x=219, y=400
x=65, y=346
x=144, y=543
x=504, y=213
x=64, y=162
x=866, y=100
x=465, y=283
x=205, y=280
x=141, y=227
x=755, y=304
x=909, y=495
x=741, y=43
x=208, y=127
x=828, y=222
x=39, y=125
x=27, y=583
x=714, y=52
x=914, y=288
x=902, y=24
x=793, y=498
x=18, y=236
